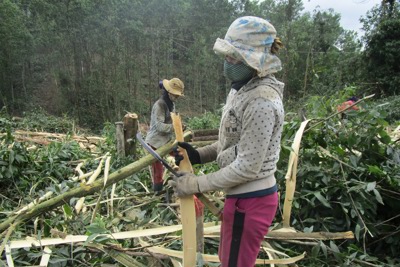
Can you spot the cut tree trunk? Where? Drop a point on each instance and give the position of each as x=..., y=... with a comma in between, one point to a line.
x=130, y=130
x=119, y=135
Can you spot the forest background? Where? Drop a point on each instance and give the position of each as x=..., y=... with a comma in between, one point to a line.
x=72, y=66
x=94, y=60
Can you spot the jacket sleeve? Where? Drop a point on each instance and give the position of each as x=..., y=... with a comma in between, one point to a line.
x=158, y=117
x=257, y=128
x=208, y=153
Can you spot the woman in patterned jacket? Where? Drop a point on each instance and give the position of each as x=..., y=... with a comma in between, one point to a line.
x=249, y=141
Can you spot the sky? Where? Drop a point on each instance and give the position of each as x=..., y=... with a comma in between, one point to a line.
x=350, y=10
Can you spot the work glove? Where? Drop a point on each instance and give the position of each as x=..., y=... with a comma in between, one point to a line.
x=185, y=184
x=194, y=156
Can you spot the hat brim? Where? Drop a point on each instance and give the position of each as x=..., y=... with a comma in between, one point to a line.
x=170, y=89
x=254, y=59
x=224, y=48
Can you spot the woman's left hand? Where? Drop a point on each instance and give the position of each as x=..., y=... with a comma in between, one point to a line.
x=185, y=184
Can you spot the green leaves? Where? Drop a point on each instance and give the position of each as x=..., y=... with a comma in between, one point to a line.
x=345, y=187
x=207, y=121
x=97, y=232
x=322, y=199
x=380, y=55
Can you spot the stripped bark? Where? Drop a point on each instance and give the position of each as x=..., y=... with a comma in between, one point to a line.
x=130, y=130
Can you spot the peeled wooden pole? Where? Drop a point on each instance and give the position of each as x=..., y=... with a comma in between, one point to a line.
x=188, y=215
x=291, y=175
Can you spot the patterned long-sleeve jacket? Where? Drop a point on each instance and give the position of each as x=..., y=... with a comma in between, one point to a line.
x=249, y=140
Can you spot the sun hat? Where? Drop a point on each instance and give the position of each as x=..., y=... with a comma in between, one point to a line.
x=249, y=39
x=174, y=86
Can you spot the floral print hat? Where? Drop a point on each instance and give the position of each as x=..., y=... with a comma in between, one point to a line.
x=249, y=39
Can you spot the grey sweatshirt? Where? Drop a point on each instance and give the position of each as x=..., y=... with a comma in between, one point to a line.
x=249, y=139
x=161, y=129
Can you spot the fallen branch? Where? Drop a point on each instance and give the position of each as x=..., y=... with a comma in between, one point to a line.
x=214, y=258
x=289, y=237
x=309, y=236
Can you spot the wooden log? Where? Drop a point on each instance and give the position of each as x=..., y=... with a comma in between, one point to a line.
x=119, y=135
x=210, y=230
x=39, y=141
x=188, y=216
x=287, y=234
x=214, y=258
x=206, y=132
x=131, y=128
x=85, y=190
x=205, y=138
x=309, y=236
x=201, y=143
x=59, y=136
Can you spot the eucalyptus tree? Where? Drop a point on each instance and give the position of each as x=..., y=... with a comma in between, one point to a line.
x=317, y=48
x=15, y=43
x=97, y=59
x=381, y=56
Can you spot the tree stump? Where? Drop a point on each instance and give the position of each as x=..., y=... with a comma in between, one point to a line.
x=130, y=130
x=119, y=135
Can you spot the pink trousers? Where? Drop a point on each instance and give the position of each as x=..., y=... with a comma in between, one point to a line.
x=245, y=223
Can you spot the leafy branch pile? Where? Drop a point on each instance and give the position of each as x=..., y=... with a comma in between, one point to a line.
x=348, y=179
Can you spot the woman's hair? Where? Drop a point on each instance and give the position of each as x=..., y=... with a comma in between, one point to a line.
x=276, y=45
x=167, y=100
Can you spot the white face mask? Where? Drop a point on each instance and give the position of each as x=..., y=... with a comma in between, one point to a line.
x=237, y=72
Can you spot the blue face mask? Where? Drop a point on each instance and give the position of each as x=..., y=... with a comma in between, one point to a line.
x=237, y=72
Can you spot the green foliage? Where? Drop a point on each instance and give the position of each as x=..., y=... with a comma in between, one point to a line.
x=208, y=120
x=352, y=187
x=94, y=69
x=110, y=140
x=391, y=106
x=94, y=61
x=381, y=54
x=39, y=120
x=26, y=172
x=15, y=47
x=347, y=179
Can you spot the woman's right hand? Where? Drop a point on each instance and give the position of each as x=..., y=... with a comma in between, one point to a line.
x=194, y=156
